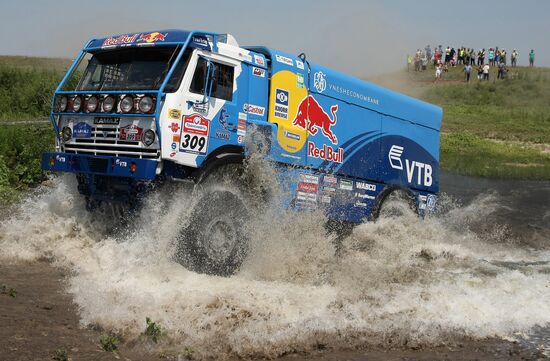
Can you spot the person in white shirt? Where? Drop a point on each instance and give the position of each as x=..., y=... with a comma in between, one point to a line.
x=486, y=69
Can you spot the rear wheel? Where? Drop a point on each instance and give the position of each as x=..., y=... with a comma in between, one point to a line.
x=397, y=204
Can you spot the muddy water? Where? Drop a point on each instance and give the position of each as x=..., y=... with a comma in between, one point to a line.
x=479, y=268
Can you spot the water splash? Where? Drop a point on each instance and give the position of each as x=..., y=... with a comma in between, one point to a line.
x=399, y=281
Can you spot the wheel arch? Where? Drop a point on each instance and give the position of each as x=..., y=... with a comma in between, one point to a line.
x=411, y=199
x=227, y=154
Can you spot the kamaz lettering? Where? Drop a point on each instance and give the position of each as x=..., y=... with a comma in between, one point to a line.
x=203, y=105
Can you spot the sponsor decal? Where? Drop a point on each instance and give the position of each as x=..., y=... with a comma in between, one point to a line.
x=431, y=202
x=307, y=187
x=309, y=178
x=107, y=120
x=360, y=204
x=330, y=179
x=254, y=109
x=174, y=114
x=174, y=127
x=311, y=116
x=222, y=118
x=82, y=130
x=194, y=136
x=364, y=196
x=422, y=170
x=258, y=72
x=123, y=39
x=281, y=103
x=173, y=154
x=299, y=64
x=300, y=80
x=353, y=94
x=346, y=185
x=60, y=159
x=200, y=42
x=243, y=116
x=174, y=146
x=284, y=60
x=329, y=189
x=258, y=59
x=240, y=139
x=201, y=108
x=319, y=81
x=220, y=134
x=241, y=127
x=326, y=153
x=131, y=133
x=365, y=186
x=306, y=197
x=152, y=37
x=291, y=135
x=325, y=199
x=121, y=163
x=176, y=138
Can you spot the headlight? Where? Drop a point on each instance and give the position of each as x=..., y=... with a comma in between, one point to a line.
x=62, y=104
x=108, y=104
x=145, y=104
x=149, y=137
x=91, y=104
x=66, y=134
x=77, y=103
x=126, y=104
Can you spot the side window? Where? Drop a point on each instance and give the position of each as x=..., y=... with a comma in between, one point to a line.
x=223, y=80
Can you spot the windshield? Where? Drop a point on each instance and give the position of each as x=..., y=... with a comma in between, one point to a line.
x=133, y=69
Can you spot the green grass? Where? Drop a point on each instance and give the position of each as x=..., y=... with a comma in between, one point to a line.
x=21, y=146
x=27, y=85
x=499, y=128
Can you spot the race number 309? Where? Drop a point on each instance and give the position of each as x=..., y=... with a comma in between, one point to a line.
x=194, y=135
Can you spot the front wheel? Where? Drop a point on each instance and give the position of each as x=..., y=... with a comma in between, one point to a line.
x=215, y=241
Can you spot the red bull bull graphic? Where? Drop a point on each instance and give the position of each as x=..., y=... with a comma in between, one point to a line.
x=312, y=116
x=152, y=37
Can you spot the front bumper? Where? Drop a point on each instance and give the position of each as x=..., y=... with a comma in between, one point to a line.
x=143, y=169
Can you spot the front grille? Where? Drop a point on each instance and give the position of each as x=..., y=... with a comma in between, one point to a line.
x=98, y=165
x=104, y=141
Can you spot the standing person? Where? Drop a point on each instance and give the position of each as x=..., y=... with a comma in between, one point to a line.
x=503, y=56
x=481, y=59
x=480, y=72
x=467, y=72
x=428, y=51
x=409, y=62
x=447, y=55
x=491, y=56
x=438, y=72
x=514, y=58
x=497, y=56
x=532, y=58
x=452, y=57
x=486, y=69
x=437, y=57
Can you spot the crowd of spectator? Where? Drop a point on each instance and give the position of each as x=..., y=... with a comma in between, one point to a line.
x=441, y=59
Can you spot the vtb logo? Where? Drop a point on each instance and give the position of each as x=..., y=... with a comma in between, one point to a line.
x=423, y=171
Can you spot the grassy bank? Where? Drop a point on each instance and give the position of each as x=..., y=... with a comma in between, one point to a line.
x=499, y=128
x=27, y=85
x=21, y=146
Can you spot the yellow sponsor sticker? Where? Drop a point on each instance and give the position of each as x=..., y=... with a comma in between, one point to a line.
x=174, y=114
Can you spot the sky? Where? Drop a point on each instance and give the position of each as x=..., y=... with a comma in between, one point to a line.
x=362, y=38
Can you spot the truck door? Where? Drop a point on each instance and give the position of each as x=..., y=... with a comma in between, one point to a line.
x=213, y=102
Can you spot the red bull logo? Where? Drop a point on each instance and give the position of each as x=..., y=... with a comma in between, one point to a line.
x=152, y=37
x=311, y=116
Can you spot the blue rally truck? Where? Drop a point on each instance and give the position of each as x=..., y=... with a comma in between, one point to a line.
x=143, y=108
